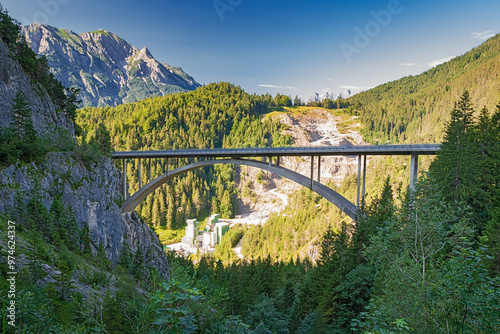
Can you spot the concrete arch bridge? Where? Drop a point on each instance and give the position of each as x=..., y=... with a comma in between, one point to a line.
x=248, y=156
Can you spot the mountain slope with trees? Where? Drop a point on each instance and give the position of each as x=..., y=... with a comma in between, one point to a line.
x=415, y=109
x=213, y=116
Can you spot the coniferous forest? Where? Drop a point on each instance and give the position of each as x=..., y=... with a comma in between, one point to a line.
x=213, y=116
x=416, y=261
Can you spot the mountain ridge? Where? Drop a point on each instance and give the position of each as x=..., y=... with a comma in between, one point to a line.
x=329, y=94
x=416, y=108
x=107, y=69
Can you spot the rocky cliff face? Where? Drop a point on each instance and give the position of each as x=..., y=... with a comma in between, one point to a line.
x=12, y=80
x=93, y=193
x=107, y=69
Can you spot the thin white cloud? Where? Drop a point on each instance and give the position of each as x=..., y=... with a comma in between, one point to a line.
x=350, y=87
x=483, y=35
x=407, y=64
x=275, y=86
x=439, y=61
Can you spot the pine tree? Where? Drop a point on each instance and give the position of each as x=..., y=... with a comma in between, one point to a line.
x=226, y=205
x=101, y=258
x=64, y=280
x=126, y=256
x=171, y=216
x=38, y=215
x=288, y=298
x=36, y=255
x=333, y=265
x=86, y=241
x=20, y=211
x=297, y=101
x=102, y=139
x=162, y=210
x=72, y=234
x=492, y=231
x=21, y=119
x=486, y=142
x=455, y=169
x=9, y=28
x=59, y=228
x=155, y=213
x=380, y=210
x=139, y=262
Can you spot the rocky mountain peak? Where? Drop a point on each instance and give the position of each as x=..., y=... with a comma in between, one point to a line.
x=107, y=69
x=329, y=94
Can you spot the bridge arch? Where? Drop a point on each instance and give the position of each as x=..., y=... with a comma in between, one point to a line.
x=332, y=196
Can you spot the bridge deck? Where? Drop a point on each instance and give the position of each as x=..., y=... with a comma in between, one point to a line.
x=414, y=149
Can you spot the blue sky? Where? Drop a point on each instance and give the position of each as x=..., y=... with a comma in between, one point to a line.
x=291, y=47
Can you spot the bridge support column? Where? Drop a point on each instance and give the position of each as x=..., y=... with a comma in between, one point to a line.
x=364, y=182
x=278, y=160
x=150, y=171
x=124, y=188
x=140, y=174
x=312, y=171
x=413, y=171
x=319, y=169
x=168, y=167
x=359, y=181
x=270, y=161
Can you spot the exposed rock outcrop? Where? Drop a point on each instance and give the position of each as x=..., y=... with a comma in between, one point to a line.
x=12, y=80
x=107, y=69
x=93, y=193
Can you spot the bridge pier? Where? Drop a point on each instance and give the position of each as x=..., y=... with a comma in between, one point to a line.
x=124, y=188
x=364, y=183
x=150, y=171
x=359, y=180
x=319, y=169
x=413, y=171
x=140, y=174
x=312, y=171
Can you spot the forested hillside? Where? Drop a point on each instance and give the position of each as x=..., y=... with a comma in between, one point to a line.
x=416, y=108
x=427, y=262
x=216, y=115
x=297, y=232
